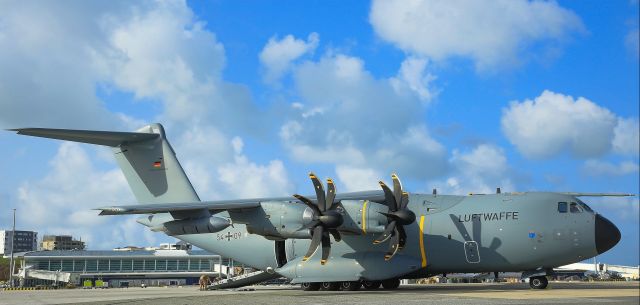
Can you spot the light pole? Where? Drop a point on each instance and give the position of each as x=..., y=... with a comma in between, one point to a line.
x=13, y=239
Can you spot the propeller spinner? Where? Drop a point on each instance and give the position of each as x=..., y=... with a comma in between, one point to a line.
x=398, y=216
x=325, y=218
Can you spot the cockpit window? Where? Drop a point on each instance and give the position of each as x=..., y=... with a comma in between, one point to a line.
x=573, y=207
x=584, y=206
x=562, y=207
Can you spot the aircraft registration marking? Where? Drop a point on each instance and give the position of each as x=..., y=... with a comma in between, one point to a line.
x=421, y=238
x=229, y=236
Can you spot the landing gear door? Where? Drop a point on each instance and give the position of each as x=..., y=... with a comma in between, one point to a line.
x=471, y=252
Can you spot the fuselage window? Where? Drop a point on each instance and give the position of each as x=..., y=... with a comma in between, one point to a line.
x=562, y=207
x=574, y=208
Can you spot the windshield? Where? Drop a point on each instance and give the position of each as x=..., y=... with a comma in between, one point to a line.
x=584, y=205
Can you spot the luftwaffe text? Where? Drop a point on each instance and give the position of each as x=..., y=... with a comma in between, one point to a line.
x=488, y=216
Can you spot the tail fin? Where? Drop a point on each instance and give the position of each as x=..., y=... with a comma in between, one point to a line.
x=145, y=157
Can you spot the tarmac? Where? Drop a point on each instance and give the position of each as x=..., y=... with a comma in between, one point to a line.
x=484, y=293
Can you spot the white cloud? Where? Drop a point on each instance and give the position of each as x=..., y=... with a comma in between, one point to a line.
x=625, y=208
x=277, y=55
x=46, y=64
x=61, y=201
x=358, y=178
x=480, y=170
x=252, y=180
x=598, y=168
x=162, y=54
x=356, y=119
x=492, y=34
x=414, y=75
x=626, y=139
x=554, y=123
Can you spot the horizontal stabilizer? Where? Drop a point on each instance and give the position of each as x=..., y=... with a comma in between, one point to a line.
x=106, y=138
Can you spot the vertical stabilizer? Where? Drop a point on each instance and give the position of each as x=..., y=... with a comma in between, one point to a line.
x=146, y=158
x=152, y=169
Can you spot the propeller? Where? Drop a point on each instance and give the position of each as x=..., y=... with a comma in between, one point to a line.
x=325, y=218
x=398, y=217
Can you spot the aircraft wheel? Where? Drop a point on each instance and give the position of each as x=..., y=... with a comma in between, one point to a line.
x=329, y=286
x=310, y=286
x=350, y=286
x=391, y=284
x=538, y=282
x=371, y=285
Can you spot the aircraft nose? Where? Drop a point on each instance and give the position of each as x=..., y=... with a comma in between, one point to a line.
x=607, y=234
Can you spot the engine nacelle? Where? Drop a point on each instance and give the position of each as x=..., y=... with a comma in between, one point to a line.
x=196, y=226
x=276, y=220
x=362, y=216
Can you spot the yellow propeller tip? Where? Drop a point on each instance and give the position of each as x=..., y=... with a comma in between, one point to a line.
x=322, y=262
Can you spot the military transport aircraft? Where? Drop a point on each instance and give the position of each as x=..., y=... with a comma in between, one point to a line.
x=369, y=238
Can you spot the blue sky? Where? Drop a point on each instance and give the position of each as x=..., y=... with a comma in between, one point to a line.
x=462, y=96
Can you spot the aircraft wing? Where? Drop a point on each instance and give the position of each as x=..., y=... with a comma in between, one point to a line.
x=223, y=205
x=598, y=194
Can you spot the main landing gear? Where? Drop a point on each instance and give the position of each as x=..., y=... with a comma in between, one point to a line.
x=389, y=284
x=538, y=282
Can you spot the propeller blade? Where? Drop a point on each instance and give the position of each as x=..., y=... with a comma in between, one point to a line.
x=331, y=194
x=319, y=192
x=389, y=199
x=389, y=215
x=387, y=233
x=336, y=235
x=316, y=238
x=397, y=189
x=402, y=239
x=308, y=203
x=393, y=246
x=326, y=248
x=405, y=200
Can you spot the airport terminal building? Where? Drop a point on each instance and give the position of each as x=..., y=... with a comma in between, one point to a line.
x=120, y=268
